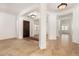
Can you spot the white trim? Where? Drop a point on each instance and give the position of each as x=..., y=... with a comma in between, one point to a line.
x=28, y=10
x=21, y=18
x=76, y=42
x=7, y=38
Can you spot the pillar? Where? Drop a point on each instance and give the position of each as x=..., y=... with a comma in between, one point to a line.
x=20, y=27
x=42, y=26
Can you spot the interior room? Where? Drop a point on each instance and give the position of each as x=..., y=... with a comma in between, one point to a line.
x=39, y=29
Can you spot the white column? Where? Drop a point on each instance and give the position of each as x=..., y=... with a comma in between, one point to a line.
x=42, y=26
x=20, y=27
x=31, y=28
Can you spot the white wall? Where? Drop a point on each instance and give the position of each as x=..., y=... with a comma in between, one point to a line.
x=52, y=26
x=75, y=24
x=7, y=26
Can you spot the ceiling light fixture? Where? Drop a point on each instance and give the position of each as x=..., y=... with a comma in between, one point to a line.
x=62, y=6
x=33, y=16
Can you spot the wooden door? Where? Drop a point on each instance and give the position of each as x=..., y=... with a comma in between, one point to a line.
x=26, y=29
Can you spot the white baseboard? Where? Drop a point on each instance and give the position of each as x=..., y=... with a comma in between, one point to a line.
x=5, y=38
x=76, y=42
x=52, y=37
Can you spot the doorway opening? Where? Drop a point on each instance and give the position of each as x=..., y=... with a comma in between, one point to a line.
x=64, y=30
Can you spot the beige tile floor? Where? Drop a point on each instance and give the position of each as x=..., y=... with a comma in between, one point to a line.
x=28, y=47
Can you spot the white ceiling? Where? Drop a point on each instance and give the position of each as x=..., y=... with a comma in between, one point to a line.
x=53, y=6
x=15, y=8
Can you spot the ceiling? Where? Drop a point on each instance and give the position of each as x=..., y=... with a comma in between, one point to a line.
x=15, y=8
x=53, y=6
